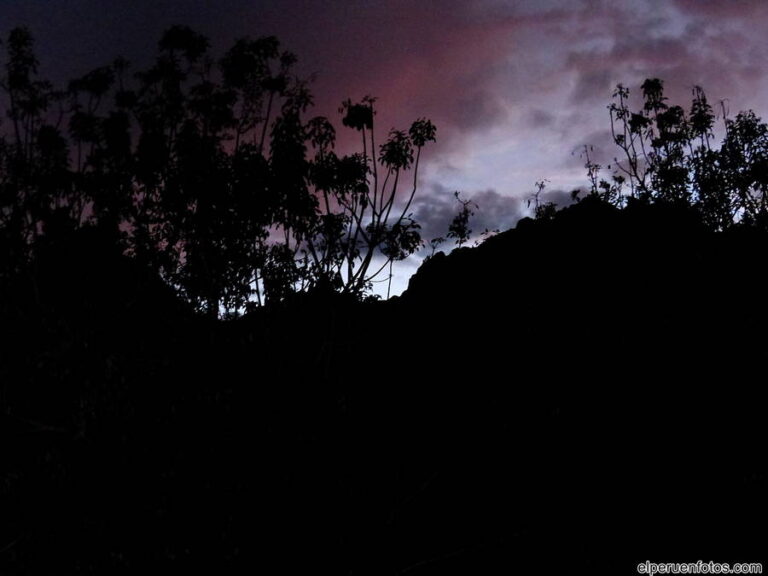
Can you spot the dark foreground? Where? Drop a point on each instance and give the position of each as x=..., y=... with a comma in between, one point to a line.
x=571, y=397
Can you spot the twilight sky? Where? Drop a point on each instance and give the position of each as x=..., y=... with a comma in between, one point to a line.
x=515, y=87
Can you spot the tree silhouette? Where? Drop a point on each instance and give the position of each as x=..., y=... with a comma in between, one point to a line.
x=34, y=179
x=209, y=172
x=670, y=156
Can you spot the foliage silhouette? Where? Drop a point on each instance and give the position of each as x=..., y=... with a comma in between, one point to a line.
x=541, y=210
x=459, y=228
x=670, y=156
x=209, y=172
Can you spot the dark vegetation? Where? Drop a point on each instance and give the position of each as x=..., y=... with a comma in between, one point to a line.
x=584, y=390
x=207, y=173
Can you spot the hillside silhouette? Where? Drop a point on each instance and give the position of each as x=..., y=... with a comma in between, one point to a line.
x=581, y=393
x=596, y=402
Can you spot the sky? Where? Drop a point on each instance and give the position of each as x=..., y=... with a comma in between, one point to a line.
x=516, y=88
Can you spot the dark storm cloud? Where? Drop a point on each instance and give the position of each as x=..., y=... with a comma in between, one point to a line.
x=492, y=211
x=496, y=211
x=434, y=211
x=559, y=198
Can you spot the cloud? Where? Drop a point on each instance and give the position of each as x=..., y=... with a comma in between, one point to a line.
x=713, y=44
x=513, y=87
x=559, y=198
x=539, y=118
x=434, y=210
x=478, y=110
x=733, y=9
x=496, y=211
x=492, y=211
